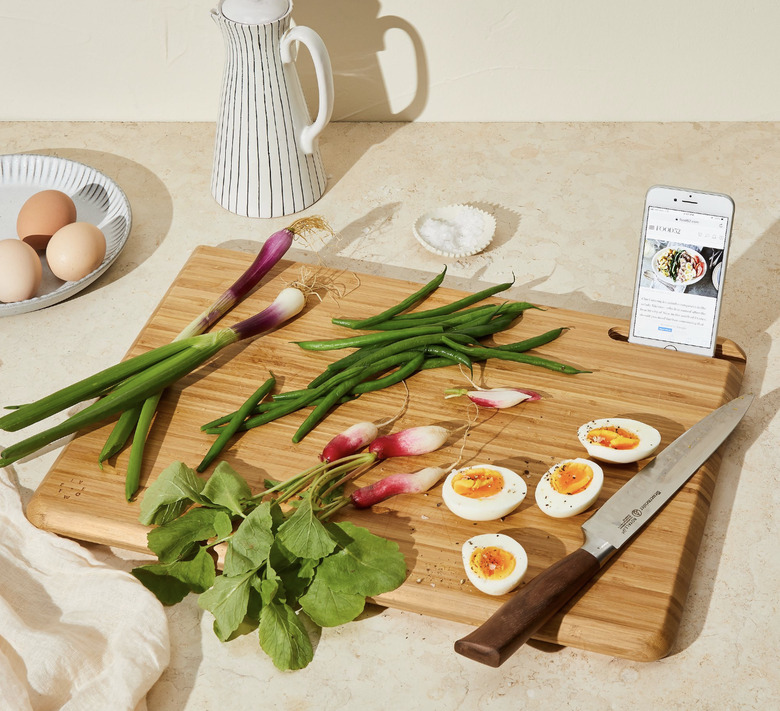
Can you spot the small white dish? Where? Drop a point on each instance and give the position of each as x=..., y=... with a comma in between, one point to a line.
x=455, y=230
x=98, y=200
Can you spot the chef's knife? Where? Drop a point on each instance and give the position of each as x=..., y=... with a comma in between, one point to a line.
x=618, y=520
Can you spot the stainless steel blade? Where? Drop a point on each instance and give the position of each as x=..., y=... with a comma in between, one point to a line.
x=628, y=510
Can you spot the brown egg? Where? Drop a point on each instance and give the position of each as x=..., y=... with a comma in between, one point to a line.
x=75, y=250
x=42, y=215
x=20, y=271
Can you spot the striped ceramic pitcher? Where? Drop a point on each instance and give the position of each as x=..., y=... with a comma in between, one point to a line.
x=266, y=160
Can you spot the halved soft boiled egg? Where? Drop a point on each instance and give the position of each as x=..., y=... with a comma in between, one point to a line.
x=483, y=492
x=494, y=563
x=569, y=488
x=618, y=439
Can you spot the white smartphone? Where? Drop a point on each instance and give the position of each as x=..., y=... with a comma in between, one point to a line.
x=682, y=266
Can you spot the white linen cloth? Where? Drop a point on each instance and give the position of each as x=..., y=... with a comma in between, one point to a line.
x=75, y=634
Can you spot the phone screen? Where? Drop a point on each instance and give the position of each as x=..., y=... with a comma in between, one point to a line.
x=680, y=274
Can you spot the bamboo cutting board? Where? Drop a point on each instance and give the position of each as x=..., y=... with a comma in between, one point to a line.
x=631, y=610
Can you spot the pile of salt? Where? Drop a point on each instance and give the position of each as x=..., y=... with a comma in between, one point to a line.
x=462, y=233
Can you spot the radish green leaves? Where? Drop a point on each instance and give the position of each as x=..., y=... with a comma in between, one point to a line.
x=279, y=562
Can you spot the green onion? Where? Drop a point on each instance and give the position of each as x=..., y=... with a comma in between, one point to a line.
x=142, y=427
x=273, y=249
x=88, y=388
x=132, y=391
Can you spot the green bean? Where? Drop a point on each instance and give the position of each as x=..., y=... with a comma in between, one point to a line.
x=329, y=400
x=513, y=356
x=261, y=407
x=407, y=369
x=341, y=364
x=235, y=422
x=535, y=342
x=487, y=316
x=368, y=339
x=441, y=362
x=285, y=408
x=290, y=394
x=248, y=424
x=451, y=354
x=500, y=323
x=410, y=344
x=461, y=303
x=336, y=378
x=406, y=344
x=407, y=303
x=402, y=321
x=458, y=316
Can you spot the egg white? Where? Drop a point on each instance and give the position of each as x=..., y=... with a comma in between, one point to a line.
x=498, y=540
x=559, y=505
x=487, y=508
x=649, y=439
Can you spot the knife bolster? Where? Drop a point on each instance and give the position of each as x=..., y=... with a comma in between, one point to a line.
x=600, y=549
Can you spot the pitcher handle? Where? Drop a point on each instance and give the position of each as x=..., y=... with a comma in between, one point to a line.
x=324, y=73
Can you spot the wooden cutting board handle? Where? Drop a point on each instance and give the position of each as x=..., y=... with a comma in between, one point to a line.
x=510, y=626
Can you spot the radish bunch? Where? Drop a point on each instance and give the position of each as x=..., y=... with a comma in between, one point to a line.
x=409, y=442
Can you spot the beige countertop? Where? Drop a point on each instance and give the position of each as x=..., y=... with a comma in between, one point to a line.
x=568, y=201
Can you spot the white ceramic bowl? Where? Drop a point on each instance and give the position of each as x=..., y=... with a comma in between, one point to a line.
x=98, y=199
x=666, y=280
x=455, y=230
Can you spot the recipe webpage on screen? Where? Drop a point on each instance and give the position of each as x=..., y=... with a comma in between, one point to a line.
x=679, y=286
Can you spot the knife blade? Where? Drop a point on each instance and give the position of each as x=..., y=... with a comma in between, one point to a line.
x=617, y=521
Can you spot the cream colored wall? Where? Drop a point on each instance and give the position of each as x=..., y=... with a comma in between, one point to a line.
x=429, y=60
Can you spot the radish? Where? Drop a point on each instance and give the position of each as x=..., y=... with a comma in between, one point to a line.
x=354, y=438
x=351, y=440
x=499, y=398
x=394, y=484
x=409, y=442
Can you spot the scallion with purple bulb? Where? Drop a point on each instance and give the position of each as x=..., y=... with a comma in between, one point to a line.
x=136, y=384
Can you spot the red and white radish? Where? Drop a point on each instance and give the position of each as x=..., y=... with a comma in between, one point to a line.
x=410, y=442
x=394, y=484
x=351, y=440
x=354, y=438
x=499, y=398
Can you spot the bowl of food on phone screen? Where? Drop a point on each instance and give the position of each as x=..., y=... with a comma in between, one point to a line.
x=679, y=265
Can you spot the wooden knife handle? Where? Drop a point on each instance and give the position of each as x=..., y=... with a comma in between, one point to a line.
x=510, y=626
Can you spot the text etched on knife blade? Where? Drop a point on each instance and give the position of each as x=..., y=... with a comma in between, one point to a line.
x=630, y=519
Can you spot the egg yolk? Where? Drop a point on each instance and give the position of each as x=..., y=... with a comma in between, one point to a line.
x=571, y=478
x=492, y=563
x=478, y=483
x=613, y=437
